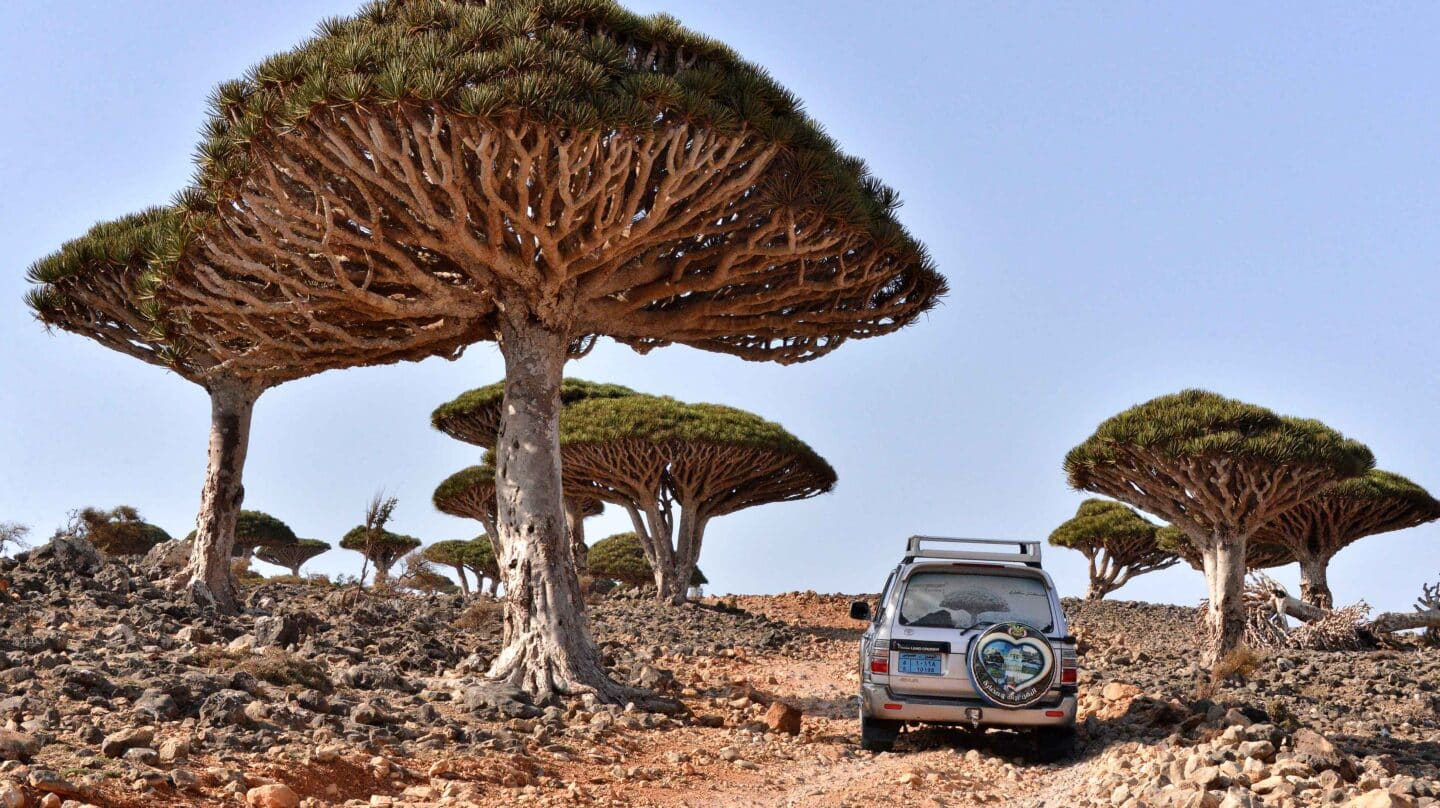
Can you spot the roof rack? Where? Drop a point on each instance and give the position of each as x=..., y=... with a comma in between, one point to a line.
x=1029, y=551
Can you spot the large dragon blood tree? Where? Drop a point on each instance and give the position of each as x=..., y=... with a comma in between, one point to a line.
x=1118, y=543
x=1259, y=554
x=1318, y=528
x=135, y=285
x=557, y=170
x=1218, y=470
x=474, y=417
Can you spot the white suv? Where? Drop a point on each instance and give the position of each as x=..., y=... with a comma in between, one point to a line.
x=970, y=637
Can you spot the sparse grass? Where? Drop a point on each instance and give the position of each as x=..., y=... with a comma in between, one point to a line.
x=483, y=612
x=273, y=665
x=1238, y=664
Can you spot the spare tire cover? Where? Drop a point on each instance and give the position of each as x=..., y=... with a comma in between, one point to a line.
x=1011, y=665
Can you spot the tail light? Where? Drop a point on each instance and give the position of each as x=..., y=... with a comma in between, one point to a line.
x=880, y=657
x=1069, y=667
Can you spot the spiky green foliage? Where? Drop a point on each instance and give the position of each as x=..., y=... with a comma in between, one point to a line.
x=382, y=547
x=1197, y=424
x=459, y=492
x=661, y=419
x=101, y=285
x=621, y=558
x=120, y=530
x=1098, y=522
x=292, y=556
x=259, y=529
x=585, y=65
x=1378, y=484
x=474, y=416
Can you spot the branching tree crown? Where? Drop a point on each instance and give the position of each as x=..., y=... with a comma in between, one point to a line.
x=383, y=548
x=1118, y=542
x=469, y=493
x=1159, y=455
x=1318, y=528
x=1259, y=555
x=292, y=556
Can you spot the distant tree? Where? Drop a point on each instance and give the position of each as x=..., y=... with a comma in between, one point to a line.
x=483, y=563
x=1318, y=528
x=292, y=556
x=470, y=493
x=474, y=417
x=419, y=574
x=119, y=531
x=1219, y=470
x=12, y=536
x=675, y=466
x=621, y=558
x=459, y=555
x=1118, y=542
x=382, y=548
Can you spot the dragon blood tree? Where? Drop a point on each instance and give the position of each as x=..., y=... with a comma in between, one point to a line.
x=1118, y=542
x=482, y=563
x=1218, y=470
x=381, y=547
x=675, y=466
x=461, y=555
x=292, y=556
x=474, y=417
x=553, y=171
x=135, y=286
x=622, y=558
x=470, y=493
x=1318, y=528
x=256, y=529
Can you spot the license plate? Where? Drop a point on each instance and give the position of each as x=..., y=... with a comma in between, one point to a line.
x=921, y=664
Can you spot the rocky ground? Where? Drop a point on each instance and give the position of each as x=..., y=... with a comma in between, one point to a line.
x=114, y=693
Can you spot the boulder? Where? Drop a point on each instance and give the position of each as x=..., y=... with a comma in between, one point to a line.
x=1314, y=749
x=18, y=746
x=272, y=796
x=781, y=717
x=118, y=743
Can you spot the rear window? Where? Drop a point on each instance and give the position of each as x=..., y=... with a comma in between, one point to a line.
x=965, y=600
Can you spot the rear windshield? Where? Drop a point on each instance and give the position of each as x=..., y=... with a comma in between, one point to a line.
x=964, y=600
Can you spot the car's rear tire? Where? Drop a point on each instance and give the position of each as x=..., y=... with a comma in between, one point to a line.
x=877, y=735
x=1053, y=743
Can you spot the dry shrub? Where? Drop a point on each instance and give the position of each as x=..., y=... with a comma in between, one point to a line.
x=273, y=665
x=482, y=613
x=1238, y=664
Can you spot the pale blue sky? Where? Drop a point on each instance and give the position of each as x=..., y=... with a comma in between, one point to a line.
x=1129, y=199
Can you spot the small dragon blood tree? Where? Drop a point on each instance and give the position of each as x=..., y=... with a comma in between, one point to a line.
x=130, y=285
x=474, y=417
x=1318, y=528
x=292, y=556
x=1218, y=470
x=1118, y=542
x=380, y=547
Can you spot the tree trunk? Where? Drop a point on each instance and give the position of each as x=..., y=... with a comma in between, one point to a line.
x=548, y=647
x=464, y=582
x=494, y=589
x=1314, y=586
x=295, y=571
x=575, y=527
x=210, y=582
x=1225, y=577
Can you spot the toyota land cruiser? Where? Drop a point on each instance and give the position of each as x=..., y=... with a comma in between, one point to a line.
x=965, y=634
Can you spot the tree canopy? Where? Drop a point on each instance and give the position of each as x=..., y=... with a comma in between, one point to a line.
x=382, y=547
x=1318, y=528
x=621, y=558
x=469, y=493
x=474, y=416
x=120, y=530
x=1118, y=542
x=1144, y=454
x=292, y=556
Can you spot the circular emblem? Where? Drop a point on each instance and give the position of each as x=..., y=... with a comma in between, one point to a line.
x=1011, y=665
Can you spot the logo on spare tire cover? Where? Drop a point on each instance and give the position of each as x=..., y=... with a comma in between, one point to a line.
x=1011, y=665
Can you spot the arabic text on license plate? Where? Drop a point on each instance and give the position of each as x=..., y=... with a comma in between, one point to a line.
x=923, y=664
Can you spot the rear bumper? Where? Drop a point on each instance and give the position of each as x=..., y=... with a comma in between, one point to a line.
x=876, y=701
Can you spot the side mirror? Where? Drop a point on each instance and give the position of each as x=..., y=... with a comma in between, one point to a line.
x=859, y=610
